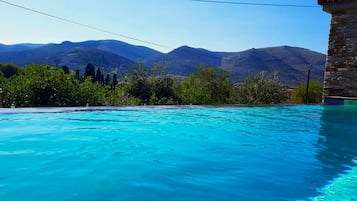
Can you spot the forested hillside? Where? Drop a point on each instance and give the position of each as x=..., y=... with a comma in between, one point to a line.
x=118, y=57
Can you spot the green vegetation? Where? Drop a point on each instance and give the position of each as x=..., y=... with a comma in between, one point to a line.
x=37, y=85
x=208, y=86
x=298, y=95
x=262, y=89
x=8, y=70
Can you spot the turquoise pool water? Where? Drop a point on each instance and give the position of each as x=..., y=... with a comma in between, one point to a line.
x=179, y=153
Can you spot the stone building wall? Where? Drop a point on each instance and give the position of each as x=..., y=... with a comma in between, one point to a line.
x=341, y=65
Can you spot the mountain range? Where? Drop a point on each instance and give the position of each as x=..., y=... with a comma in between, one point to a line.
x=114, y=56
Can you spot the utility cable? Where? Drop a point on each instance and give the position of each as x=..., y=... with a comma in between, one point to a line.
x=94, y=28
x=83, y=25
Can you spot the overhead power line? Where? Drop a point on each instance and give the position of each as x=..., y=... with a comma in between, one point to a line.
x=258, y=4
x=83, y=25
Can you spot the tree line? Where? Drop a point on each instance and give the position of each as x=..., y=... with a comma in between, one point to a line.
x=42, y=85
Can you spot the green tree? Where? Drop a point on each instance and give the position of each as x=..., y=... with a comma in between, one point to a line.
x=262, y=89
x=114, y=81
x=152, y=88
x=15, y=89
x=65, y=69
x=98, y=75
x=158, y=69
x=101, y=79
x=164, y=90
x=107, y=80
x=298, y=95
x=77, y=75
x=140, y=88
x=91, y=93
x=40, y=86
x=50, y=86
x=207, y=86
x=90, y=72
x=119, y=96
x=8, y=70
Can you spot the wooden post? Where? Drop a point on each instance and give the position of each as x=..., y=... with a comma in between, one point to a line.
x=307, y=86
x=1, y=97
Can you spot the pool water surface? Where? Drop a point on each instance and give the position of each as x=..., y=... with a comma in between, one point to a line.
x=179, y=153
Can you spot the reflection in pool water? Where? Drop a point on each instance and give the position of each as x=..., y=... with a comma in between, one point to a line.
x=175, y=153
x=342, y=187
x=338, y=153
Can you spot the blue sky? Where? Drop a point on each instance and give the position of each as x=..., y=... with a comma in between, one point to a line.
x=170, y=23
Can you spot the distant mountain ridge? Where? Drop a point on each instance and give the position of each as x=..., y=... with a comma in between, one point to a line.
x=292, y=63
x=18, y=47
x=185, y=60
x=80, y=57
x=30, y=54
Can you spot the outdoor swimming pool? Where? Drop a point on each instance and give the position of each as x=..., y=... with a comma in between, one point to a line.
x=179, y=153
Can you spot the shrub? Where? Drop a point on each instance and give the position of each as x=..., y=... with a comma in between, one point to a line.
x=262, y=89
x=298, y=95
x=207, y=86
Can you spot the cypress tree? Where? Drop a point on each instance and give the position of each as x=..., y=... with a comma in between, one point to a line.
x=78, y=74
x=90, y=71
x=102, y=79
x=65, y=69
x=115, y=81
x=98, y=75
x=107, y=80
